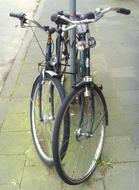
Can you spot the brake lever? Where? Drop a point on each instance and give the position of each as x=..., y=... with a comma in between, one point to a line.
x=23, y=21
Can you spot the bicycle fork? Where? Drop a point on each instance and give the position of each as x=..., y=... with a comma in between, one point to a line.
x=86, y=124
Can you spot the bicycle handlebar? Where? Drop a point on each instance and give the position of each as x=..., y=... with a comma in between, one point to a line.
x=117, y=9
x=99, y=13
x=22, y=17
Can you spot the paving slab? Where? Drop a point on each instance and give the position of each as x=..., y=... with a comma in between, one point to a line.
x=118, y=126
x=87, y=185
x=32, y=157
x=22, y=91
x=123, y=72
x=129, y=97
x=28, y=67
x=27, y=77
x=135, y=135
x=40, y=177
x=11, y=169
x=9, y=187
x=16, y=122
x=122, y=177
x=114, y=106
x=34, y=56
x=14, y=142
x=123, y=84
x=137, y=152
x=18, y=106
x=3, y=109
x=131, y=113
x=119, y=149
x=101, y=64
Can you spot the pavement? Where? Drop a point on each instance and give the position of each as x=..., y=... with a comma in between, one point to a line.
x=115, y=63
x=11, y=36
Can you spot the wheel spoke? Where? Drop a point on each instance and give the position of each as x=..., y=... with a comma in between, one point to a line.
x=42, y=120
x=87, y=120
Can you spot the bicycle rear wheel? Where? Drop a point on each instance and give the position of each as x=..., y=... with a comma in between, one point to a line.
x=88, y=117
x=46, y=96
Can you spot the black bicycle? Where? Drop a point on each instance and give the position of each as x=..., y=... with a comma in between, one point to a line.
x=47, y=91
x=86, y=109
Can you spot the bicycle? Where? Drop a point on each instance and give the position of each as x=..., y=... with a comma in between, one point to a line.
x=47, y=91
x=86, y=108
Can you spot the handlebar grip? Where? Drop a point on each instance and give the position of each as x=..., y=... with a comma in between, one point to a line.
x=55, y=18
x=20, y=16
x=124, y=11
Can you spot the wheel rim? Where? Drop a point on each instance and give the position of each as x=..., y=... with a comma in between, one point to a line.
x=42, y=127
x=78, y=163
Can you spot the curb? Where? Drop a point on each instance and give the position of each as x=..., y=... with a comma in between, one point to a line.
x=10, y=82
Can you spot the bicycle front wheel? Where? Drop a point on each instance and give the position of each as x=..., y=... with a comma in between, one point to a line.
x=87, y=120
x=46, y=97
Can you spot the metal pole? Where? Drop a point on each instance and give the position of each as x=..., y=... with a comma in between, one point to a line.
x=72, y=9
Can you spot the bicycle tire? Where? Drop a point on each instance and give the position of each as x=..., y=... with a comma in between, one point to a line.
x=46, y=97
x=65, y=167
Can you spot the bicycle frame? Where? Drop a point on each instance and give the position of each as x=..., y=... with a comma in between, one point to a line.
x=83, y=47
x=54, y=63
x=58, y=52
x=48, y=50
